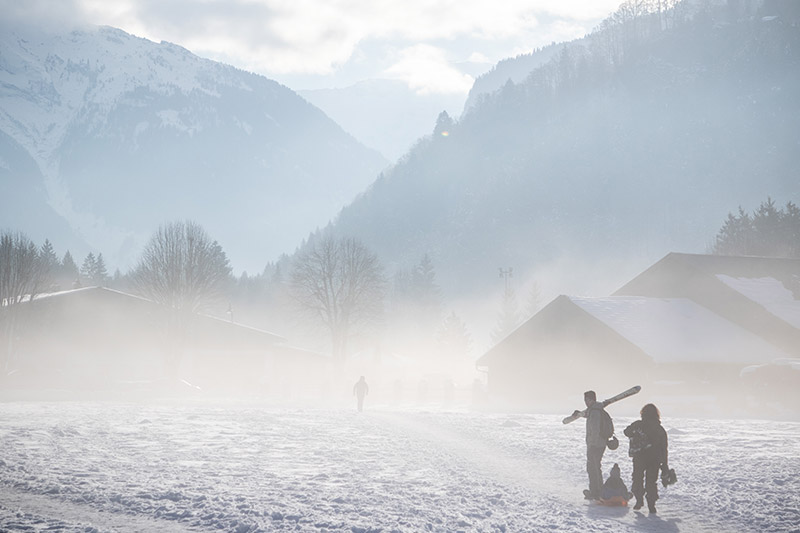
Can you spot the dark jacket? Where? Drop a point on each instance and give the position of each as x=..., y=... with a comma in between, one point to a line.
x=594, y=423
x=614, y=487
x=656, y=438
x=361, y=388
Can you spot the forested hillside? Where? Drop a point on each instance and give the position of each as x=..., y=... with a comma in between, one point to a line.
x=635, y=143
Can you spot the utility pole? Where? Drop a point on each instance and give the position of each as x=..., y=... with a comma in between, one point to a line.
x=506, y=273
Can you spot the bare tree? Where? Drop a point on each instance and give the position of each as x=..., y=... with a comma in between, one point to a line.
x=182, y=268
x=185, y=271
x=21, y=278
x=340, y=283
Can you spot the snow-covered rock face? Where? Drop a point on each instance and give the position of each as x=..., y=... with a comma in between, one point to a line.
x=50, y=78
x=75, y=466
x=128, y=134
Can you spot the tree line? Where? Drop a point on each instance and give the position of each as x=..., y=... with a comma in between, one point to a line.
x=334, y=288
x=770, y=231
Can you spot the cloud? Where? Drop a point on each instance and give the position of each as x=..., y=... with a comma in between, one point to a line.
x=426, y=70
x=283, y=38
x=45, y=14
x=477, y=57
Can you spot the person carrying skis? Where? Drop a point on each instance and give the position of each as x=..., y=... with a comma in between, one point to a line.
x=360, y=389
x=596, y=438
x=648, y=448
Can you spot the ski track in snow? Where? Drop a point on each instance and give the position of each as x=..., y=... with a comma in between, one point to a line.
x=245, y=467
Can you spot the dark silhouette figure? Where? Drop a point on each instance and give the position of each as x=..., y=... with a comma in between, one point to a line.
x=614, y=490
x=360, y=389
x=595, y=444
x=648, y=448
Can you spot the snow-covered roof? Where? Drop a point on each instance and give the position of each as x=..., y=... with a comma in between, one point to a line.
x=42, y=295
x=768, y=292
x=214, y=319
x=673, y=330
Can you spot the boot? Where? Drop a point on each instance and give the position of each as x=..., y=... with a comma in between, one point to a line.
x=638, y=505
x=652, y=508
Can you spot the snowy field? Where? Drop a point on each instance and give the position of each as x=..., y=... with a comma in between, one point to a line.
x=242, y=467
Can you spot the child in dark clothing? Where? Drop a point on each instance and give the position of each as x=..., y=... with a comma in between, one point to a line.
x=614, y=490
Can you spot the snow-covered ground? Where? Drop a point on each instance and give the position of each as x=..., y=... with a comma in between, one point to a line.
x=226, y=466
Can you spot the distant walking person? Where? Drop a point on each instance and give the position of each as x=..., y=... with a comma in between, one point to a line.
x=648, y=448
x=597, y=435
x=360, y=389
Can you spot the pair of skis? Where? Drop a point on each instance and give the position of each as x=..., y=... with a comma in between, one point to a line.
x=609, y=401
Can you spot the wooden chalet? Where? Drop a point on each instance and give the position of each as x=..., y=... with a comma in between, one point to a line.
x=686, y=327
x=99, y=338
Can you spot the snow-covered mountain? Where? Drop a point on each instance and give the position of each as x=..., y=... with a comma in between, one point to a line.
x=104, y=136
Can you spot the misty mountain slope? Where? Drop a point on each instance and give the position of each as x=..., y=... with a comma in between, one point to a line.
x=128, y=134
x=23, y=192
x=637, y=147
x=384, y=114
x=515, y=69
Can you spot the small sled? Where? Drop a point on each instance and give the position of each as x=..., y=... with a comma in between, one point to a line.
x=616, y=501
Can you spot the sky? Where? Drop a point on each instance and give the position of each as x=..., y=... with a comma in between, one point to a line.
x=435, y=46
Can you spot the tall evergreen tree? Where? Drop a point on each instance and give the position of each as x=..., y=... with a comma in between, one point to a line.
x=69, y=275
x=790, y=229
x=444, y=125
x=425, y=291
x=769, y=232
x=767, y=229
x=88, y=269
x=100, y=274
x=49, y=263
x=118, y=280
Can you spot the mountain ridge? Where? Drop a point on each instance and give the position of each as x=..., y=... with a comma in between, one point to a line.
x=613, y=153
x=126, y=130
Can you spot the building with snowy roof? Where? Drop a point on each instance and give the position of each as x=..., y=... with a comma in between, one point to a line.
x=96, y=338
x=688, y=325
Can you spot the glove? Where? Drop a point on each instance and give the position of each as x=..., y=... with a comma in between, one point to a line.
x=668, y=476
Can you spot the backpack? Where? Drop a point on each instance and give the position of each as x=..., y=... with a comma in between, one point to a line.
x=606, y=425
x=639, y=441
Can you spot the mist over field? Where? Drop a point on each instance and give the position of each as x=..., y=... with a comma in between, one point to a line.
x=367, y=303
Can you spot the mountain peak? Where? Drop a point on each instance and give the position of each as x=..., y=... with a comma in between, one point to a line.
x=126, y=134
